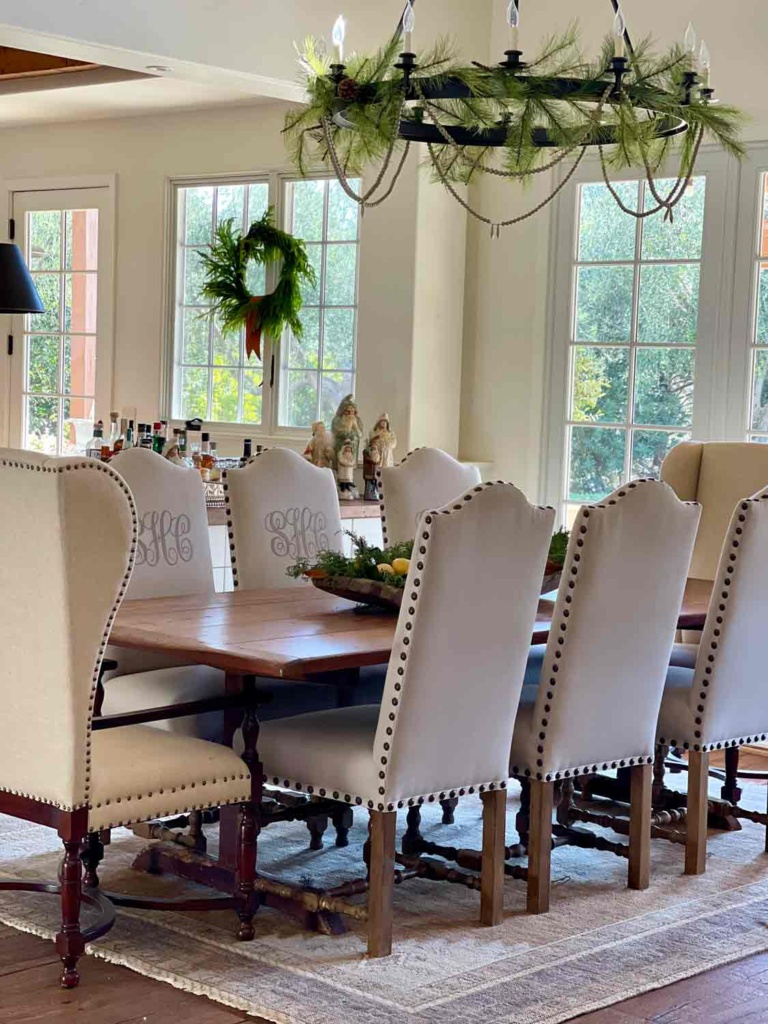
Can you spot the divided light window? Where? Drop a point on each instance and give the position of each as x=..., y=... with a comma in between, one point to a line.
x=212, y=378
x=633, y=337
x=318, y=371
x=758, y=414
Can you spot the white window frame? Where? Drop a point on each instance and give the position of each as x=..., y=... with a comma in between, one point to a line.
x=714, y=323
x=269, y=431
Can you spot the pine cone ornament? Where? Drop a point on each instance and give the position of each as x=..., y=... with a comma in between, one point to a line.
x=348, y=90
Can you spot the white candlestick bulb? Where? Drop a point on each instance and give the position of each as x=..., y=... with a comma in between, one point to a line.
x=689, y=42
x=409, y=23
x=619, y=28
x=513, y=20
x=705, y=64
x=338, y=36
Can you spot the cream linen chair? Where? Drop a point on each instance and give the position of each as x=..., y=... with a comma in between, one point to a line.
x=280, y=508
x=426, y=478
x=173, y=559
x=723, y=703
x=67, y=544
x=451, y=693
x=602, y=676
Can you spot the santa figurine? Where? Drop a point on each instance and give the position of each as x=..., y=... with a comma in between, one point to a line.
x=319, y=451
x=346, y=461
x=378, y=454
x=347, y=426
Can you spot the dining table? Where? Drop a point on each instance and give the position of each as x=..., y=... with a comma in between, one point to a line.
x=281, y=635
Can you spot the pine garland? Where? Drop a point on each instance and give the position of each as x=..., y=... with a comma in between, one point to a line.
x=226, y=265
x=372, y=97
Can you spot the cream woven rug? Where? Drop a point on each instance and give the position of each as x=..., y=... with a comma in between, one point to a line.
x=599, y=944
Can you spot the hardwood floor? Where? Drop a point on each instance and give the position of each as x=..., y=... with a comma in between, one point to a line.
x=29, y=994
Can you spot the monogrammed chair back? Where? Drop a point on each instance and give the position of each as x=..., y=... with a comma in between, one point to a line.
x=280, y=509
x=426, y=478
x=66, y=537
x=173, y=555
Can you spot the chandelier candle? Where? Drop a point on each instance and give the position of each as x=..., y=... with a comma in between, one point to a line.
x=338, y=36
x=513, y=20
x=409, y=23
x=619, y=28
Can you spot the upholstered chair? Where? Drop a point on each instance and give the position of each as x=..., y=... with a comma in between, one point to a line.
x=451, y=694
x=280, y=508
x=426, y=478
x=595, y=703
x=173, y=559
x=723, y=702
x=68, y=536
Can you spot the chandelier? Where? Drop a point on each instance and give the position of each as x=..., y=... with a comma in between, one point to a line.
x=515, y=119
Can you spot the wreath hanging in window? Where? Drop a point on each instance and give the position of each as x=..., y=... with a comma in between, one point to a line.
x=233, y=305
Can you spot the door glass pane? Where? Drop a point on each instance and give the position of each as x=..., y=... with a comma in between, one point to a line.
x=227, y=348
x=600, y=384
x=762, y=306
x=604, y=304
x=198, y=206
x=606, y=234
x=196, y=332
x=680, y=239
x=230, y=205
x=301, y=399
x=339, y=339
x=341, y=275
x=194, y=393
x=760, y=391
x=669, y=303
x=342, y=215
x=60, y=345
x=334, y=387
x=664, y=387
x=597, y=462
x=252, y=387
x=225, y=391
x=764, y=220
x=308, y=210
x=650, y=448
x=305, y=353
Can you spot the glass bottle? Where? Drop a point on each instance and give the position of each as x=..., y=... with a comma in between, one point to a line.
x=158, y=438
x=129, y=435
x=93, y=448
x=114, y=430
x=247, y=451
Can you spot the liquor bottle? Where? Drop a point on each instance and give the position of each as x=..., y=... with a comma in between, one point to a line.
x=215, y=470
x=145, y=436
x=93, y=448
x=114, y=429
x=205, y=457
x=247, y=451
x=129, y=435
x=183, y=444
x=120, y=442
x=158, y=438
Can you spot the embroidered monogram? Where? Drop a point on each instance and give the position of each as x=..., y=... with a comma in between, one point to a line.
x=163, y=537
x=297, y=532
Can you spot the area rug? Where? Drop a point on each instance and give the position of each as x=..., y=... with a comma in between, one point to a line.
x=599, y=944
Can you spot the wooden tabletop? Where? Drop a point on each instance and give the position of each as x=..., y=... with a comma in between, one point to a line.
x=294, y=633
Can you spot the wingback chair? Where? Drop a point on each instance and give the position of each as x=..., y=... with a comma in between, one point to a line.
x=451, y=693
x=601, y=676
x=426, y=478
x=173, y=559
x=68, y=537
x=723, y=701
x=280, y=508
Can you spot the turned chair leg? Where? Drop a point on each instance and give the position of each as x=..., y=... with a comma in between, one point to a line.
x=343, y=819
x=70, y=943
x=382, y=882
x=640, y=809
x=316, y=826
x=697, y=814
x=92, y=856
x=247, y=897
x=412, y=837
x=523, y=817
x=540, y=846
x=492, y=871
x=449, y=808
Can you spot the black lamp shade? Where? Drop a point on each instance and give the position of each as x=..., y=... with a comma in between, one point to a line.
x=17, y=289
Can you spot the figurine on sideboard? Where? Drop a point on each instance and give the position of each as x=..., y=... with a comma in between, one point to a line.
x=347, y=430
x=346, y=461
x=378, y=454
x=319, y=451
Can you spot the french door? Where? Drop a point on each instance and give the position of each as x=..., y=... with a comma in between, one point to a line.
x=60, y=365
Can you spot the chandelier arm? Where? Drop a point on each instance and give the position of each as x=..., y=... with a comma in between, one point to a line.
x=496, y=226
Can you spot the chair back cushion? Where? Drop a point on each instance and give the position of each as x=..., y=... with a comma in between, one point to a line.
x=612, y=632
x=729, y=698
x=427, y=478
x=454, y=679
x=717, y=475
x=280, y=509
x=173, y=557
x=67, y=532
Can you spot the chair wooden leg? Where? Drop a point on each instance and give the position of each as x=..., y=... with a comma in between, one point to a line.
x=449, y=809
x=70, y=943
x=92, y=856
x=343, y=819
x=247, y=897
x=696, y=817
x=382, y=883
x=640, y=809
x=540, y=847
x=492, y=871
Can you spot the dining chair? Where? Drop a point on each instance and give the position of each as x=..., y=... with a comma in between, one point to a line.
x=592, y=697
x=280, y=508
x=426, y=478
x=173, y=559
x=451, y=693
x=68, y=540
x=722, y=703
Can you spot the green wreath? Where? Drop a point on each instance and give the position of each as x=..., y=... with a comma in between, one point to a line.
x=226, y=264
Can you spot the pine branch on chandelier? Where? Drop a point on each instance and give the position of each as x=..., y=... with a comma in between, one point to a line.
x=515, y=119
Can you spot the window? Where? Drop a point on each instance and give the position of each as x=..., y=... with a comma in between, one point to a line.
x=633, y=331
x=212, y=378
x=758, y=411
x=318, y=371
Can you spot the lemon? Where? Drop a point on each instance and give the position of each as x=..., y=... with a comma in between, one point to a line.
x=401, y=566
x=386, y=569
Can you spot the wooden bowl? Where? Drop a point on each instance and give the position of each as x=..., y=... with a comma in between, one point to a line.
x=367, y=592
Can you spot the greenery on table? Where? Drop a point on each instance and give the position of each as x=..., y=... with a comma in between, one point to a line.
x=372, y=97
x=361, y=565
x=558, y=548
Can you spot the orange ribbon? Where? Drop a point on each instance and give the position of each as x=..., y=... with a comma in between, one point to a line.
x=253, y=329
